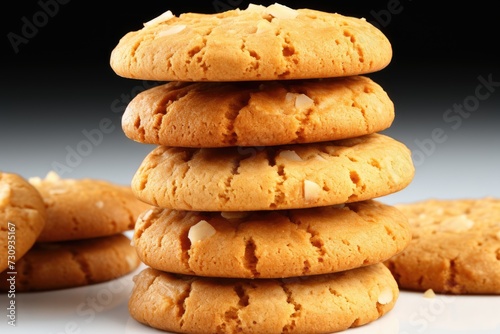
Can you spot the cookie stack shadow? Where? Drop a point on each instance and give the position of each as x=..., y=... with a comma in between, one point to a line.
x=265, y=173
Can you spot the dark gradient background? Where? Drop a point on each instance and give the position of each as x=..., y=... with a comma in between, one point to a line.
x=59, y=85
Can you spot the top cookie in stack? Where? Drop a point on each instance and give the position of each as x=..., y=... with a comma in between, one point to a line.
x=259, y=43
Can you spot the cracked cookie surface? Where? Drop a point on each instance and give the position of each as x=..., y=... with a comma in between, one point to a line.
x=270, y=244
x=257, y=114
x=314, y=304
x=455, y=247
x=85, y=208
x=68, y=264
x=269, y=178
x=252, y=44
x=22, y=217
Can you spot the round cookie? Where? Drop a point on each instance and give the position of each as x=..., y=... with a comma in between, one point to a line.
x=212, y=114
x=67, y=264
x=85, y=208
x=270, y=244
x=455, y=247
x=268, y=178
x=312, y=304
x=258, y=43
x=22, y=217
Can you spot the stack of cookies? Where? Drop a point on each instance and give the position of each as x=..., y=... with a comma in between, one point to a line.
x=267, y=163
x=65, y=233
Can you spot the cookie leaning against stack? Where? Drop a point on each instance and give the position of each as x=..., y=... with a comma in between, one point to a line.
x=268, y=171
x=82, y=240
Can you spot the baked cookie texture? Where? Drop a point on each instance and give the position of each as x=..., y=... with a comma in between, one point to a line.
x=455, y=247
x=68, y=264
x=22, y=217
x=183, y=114
x=309, y=304
x=85, y=208
x=269, y=178
x=258, y=43
x=270, y=244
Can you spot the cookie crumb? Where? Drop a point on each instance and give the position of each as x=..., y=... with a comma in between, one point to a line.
x=429, y=293
x=385, y=296
x=202, y=230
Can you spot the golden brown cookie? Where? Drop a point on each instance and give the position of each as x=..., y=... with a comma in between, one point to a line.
x=86, y=208
x=313, y=304
x=268, y=178
x=270, y=244
x=455, y=248
x=22, y=218
x=67, y=264
x=256, y=113
x=258, y=43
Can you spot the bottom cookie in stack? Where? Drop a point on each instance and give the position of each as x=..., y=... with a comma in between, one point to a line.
x=318, y=269
x=309, y=304
x=83, y=240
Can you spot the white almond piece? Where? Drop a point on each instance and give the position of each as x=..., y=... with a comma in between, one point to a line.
x=303, y=102
x=99, y=204
x=52, y=176
x=172, y=30
x=202, y=230
x=145, y=215
x=319, y=157
x=456, y=224
x=385, y=296
x=429, y=293
x=289, y=97
x=290, y=155
x=5, y=192
x=58, y=191
x=311, y=190
x=262, y=26
x=159, y=19
x=281, y=12
x=253, y=8
x=233, y=214
x=35, y=180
